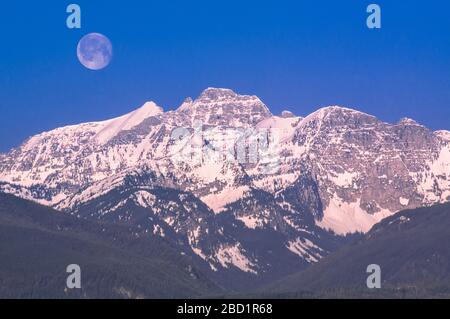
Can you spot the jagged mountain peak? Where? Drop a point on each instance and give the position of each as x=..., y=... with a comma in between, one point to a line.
x=102, y=130
x=336, y=110
x=128, y=121
x=224, y=107
x=287, y=114
x=186, y=104
x=222, y=95
x=445, y=135
x=148, y=109
x=337, y=116
x=213, y=93
x=408, y=121
x=151, y=107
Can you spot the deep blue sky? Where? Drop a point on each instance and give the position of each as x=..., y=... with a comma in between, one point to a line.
x=296, y=55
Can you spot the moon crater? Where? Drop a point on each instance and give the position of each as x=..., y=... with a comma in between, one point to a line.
x=94, y=51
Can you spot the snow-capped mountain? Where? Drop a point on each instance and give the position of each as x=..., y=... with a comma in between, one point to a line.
x=246, y=191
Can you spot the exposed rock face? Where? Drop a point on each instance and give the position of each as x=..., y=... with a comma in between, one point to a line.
x=226, y=178
x=224, y=107
x=371, y=169
x=287, y=114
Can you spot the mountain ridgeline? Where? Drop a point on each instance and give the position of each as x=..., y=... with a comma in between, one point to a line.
x=244, y=196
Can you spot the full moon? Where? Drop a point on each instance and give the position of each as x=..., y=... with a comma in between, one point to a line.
x=94, y=51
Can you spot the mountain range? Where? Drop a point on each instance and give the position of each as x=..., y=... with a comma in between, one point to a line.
x=249, y=197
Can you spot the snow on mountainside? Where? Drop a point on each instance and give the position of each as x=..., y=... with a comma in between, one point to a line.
x=242, y=173
x=445, y=135
x=56, y=157
x=127, y=122
x=368, y=169
x=223, y=107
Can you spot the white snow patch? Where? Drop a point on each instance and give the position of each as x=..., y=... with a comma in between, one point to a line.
x=127, y=121
x=234, y=255
x=283, y=127
x=251, y=222
x=445, y=135
x=438, y=174
x=157, y=230
x=305, y=249
x=344, y=218
x=144, y=199
x=404, y=201
x=218, y=201
x=401, y=220
x=343, y=179
x=273, y=183
x=194, y=236
x=199, y=253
